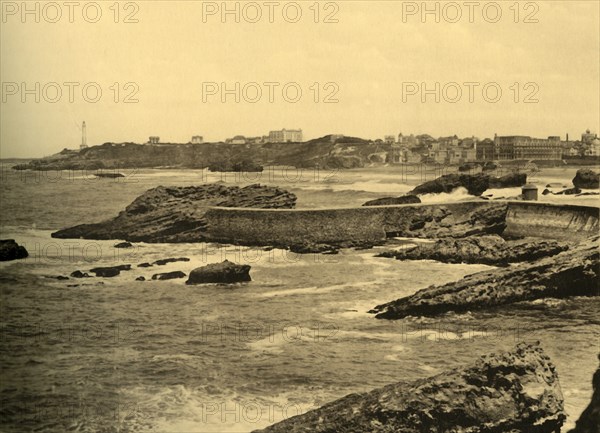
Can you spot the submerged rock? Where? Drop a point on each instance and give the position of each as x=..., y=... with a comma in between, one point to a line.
x=224, y=272
x=124, y=245
x=110, y=271
x=405, y=199
x=586, y=179
x=176, y=214
x=589, y=421
x=569, y=191
x=574, y=272
x=109, y=175
x=308, y=248
x=488, y=250
x=140, y=278
x=10, y=250
x=169, y=275
x=162, y=262
x=516, y=392
x=79, y=274
x=144, y=265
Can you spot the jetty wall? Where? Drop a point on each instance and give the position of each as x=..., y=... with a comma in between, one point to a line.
x=552, y=221
x=374, y=223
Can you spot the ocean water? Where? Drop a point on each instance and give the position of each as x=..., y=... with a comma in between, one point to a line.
x=119, y=355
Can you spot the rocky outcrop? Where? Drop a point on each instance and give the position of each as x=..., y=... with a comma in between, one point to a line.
x=225, y=272
x=488, y=250
x=79, y=274
x=405, y=199
x=162, y=262
x=589, y=421
x=574, y=272
x=516, y=392
x=586, y=179
x=475, y=184
x=110, y=271
x=168, y=275
x=308, y=248
x=10, y=250
x=123, y=245
x=176, y=214
x=109, y=175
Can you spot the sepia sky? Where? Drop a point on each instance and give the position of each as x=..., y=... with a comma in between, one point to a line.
x=370, y=55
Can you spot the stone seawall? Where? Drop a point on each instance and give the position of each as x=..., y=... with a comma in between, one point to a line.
x=552, y=221
x=373, y=224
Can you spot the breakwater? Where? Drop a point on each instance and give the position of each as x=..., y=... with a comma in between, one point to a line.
x=375, y=223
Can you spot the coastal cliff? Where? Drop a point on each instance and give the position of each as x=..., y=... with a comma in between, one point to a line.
x=324, y=152
x=516, y=391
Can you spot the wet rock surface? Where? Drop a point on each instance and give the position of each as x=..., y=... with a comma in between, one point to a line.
x=516, y=392
x=10, y=250
x=224, y=272
x=162, y=262
x=110, y=271
x=586, y=179
x=79, y=274
x=169, y=275
x=574, y=272
x=124, y=245
x=176, y=214
x=475, y=184
x=405, y=199
x=488, y=250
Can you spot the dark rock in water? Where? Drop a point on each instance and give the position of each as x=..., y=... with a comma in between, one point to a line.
x=569, y=191
x=488, y=250
x=58, y=277
x=512, y=392
x=162, y=262
x=546, y=192
x=109, y=175
x=176, y=214
x=405, y=199
x=313, y=248
x=79, y=274
x=589, y=421
x=475, y=184
x=574, y=272
x=168, y=275
x=10, y=250
x=144, y=265
x=586, y=179
x=123, y=245
x=509, y=181
x=140, y=278
x=225, y=272
x=110, y=271
x=587, y=193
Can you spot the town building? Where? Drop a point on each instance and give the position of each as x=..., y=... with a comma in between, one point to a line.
x=484, y=150
x=197, y=139
x=587, y=137
x=524, y=147
x=389, y=139
x=238, y=139
x=286, y=136
x=154, y=140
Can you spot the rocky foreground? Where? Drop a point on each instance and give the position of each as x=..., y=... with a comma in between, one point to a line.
x=516, y=392
x=176, y=214
x=574, y=272
x=487, y=249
